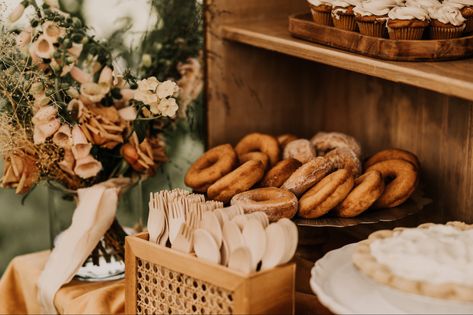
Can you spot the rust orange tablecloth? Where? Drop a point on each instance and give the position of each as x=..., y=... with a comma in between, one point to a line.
x=18, y=291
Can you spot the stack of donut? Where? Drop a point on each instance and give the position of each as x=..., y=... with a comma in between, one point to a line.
x=312, y=178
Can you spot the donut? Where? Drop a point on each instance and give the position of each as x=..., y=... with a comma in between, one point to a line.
x=393, y=154
x=276, y=176
x=237, y=181
x=308, y=175
x=300, y=149
x=284, y=139
x=368, y=188
x=345, y=158
x=259, y=156
x=326, y=194
x=210, y=167
x=327, y=141
x=261, y=143
x=277, y=203
x=402, y=185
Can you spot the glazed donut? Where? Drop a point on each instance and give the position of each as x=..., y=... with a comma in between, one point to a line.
x=300, y=149
x=277, y=203
x=210, y=167
x=308, y=175
x=284, y=139
x=393, y=154
x=327, y=141
x=280, y=173
x=259, y=156
x=259, y=142
x=368, y=188
x=401, y=187
x=326, y=194
x=345, y=158
x=239, y=180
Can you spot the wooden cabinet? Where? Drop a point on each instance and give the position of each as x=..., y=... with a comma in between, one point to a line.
x=262, y=79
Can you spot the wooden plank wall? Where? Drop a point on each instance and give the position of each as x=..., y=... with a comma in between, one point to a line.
x=251, y=89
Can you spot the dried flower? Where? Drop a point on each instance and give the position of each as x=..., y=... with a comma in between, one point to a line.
x=17, y=13
x=128, y=113
x=20, y=172
x=87, y=167
x=139, y=155
x=52, y=31
x=80, y=76
x=45, y=124
x=191, y=83
x=93, y=92
x=63, y=137
x=24, y=38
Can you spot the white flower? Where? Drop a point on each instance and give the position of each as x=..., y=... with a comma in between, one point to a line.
x=149, y=84
x=94, y=92
x=167, y=88
x=43, y=47
x=145, y=96
x=168, y=107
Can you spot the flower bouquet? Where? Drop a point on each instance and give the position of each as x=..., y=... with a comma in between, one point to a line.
x=68, y=116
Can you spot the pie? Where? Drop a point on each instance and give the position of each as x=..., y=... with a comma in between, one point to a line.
x=435, y=260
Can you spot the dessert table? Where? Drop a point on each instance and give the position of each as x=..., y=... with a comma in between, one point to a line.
x=18, y=292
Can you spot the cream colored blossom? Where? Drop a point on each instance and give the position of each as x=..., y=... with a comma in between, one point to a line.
x=20, y=172
x=87, y=167
x=52, y=31
x=167, y=88
x=93, y=92
x=43, y=47
x=149, y=84
x=17, y=13
x=146, y=96
x=168, y=107
x=24, y=38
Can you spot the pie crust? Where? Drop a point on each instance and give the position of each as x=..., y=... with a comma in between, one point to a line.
x=364, y=260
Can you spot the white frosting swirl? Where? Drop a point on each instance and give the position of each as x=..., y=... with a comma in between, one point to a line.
x=346, y=3
x=447, y=14
x=320, y=2
x=408, y=13
x=376, y=7
x=439, y=254
x=426, y=4
x=459, y=3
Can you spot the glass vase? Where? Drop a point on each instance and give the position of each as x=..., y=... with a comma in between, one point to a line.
x=106, y=261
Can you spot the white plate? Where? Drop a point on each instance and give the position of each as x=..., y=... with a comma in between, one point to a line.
x=344, y=290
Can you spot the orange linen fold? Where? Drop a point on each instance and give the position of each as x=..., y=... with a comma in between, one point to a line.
x=18, y=292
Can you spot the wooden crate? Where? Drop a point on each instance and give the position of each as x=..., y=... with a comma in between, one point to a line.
x=161, y=280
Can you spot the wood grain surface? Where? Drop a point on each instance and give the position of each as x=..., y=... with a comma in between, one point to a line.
x=302, y=26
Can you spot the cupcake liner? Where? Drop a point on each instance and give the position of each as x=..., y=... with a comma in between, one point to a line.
x=324, y=18
x=372, y=29
x=469, y=25
x=406, y=33
x=446, y=32
x=345, y=22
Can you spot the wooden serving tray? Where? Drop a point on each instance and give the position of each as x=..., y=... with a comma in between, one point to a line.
x=302, y=26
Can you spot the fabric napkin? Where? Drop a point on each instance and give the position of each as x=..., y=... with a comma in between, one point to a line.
x=92, y=218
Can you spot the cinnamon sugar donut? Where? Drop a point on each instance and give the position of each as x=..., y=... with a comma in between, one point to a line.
x=327, y=141
x=326, y=194
x=393, y=154
x=345, y=158
x=300, y=149
x=210, y=167
x=284, y=139
x=280, y=173
x=259, y=156
x=277, y=203
x=368, y=188
x=402, y=185
x=261, y=143
x=308, y=175
x=237, y=181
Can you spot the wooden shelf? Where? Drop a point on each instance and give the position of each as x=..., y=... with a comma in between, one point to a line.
x=447, y=77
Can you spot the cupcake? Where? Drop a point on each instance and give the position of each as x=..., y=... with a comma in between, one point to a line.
x=446, y=22
x=407, y=22
x=321, y=11
x=466, y=9
x=371, y=16
x=342, y=14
